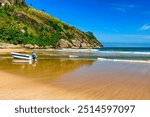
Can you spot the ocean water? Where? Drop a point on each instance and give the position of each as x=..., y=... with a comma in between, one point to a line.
x=108, y=53
x=125, y=53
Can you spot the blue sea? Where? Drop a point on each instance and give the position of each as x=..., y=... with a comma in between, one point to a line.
x=107, y=53
x=125, y=53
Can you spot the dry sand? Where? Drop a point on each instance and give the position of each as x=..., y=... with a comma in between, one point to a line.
x=6, y=51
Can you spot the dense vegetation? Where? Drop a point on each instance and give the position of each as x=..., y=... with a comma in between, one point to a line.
x=25, y=25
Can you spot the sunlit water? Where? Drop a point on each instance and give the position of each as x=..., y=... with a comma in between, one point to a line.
x=68, y=77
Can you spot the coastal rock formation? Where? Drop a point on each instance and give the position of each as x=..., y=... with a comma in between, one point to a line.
x=64, y=44
x=30, y=28
x=76, y=43
x=11, y=2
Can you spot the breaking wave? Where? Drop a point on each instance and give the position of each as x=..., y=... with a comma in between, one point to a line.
x=122, y=60
x=122, y=52
x=79, y=50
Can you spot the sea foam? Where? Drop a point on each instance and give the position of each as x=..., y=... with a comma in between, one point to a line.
x=121, y=60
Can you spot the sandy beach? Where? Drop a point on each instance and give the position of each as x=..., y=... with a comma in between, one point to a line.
x=7, y=51
x=74, y=79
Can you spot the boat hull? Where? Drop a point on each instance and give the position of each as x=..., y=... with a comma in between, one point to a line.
x=21, y=56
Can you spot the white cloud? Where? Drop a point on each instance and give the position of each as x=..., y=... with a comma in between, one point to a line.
x=123, y=7
x=145, y=27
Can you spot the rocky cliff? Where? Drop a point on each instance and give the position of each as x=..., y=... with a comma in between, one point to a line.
x=28, y=27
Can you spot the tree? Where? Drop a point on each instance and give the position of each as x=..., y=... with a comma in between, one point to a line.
x=89, y=33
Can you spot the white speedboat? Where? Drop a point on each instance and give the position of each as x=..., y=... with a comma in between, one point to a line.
x=24, y=56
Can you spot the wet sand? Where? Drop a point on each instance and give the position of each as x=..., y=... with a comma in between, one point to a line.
x=73, y=79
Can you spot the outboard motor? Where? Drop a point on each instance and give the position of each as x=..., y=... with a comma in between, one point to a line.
x=34, y=56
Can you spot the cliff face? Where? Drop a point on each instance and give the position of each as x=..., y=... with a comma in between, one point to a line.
x=23, y=25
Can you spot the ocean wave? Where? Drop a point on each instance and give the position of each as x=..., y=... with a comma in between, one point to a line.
x=121, y=60
x=79, y=50
x=73, y=56
x=98, y=51
x=121, y=52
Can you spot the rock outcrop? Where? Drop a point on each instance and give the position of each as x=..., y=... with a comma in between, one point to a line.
x=11, y=2
x=62, y=43
x=75, y=44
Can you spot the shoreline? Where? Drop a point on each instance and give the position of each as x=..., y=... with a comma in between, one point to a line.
x=6, y=51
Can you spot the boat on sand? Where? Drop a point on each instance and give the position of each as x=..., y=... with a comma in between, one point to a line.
x=33, y=56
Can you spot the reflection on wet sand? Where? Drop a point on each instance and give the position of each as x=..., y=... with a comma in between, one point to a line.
x=20, y=61
x=45, y=68
x=74, y=79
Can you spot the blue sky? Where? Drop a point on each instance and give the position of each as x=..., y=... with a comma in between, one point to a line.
x=113, y=22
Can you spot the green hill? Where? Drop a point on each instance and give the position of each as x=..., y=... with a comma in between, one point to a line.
x=26, y=26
